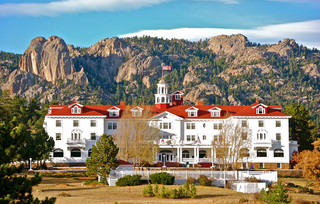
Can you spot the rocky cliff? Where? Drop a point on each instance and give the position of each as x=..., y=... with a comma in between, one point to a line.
x=221, y=70
x=48, y=59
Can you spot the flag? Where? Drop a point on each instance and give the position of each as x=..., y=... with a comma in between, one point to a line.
x=166, y=67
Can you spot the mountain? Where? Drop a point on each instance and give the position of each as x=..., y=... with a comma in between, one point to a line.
x=221, y=70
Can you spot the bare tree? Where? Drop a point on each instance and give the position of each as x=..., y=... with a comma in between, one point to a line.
x=232, y=144
x=136, y=136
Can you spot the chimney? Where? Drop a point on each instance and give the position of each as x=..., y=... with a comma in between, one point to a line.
x=199, y=103
x=257, y=101
x=122, y=103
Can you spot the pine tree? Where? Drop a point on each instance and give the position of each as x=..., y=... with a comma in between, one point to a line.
x=103, y=158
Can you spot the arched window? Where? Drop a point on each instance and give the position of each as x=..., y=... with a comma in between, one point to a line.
x=260, y=110
x=76, y=110
x=89, y=152
x=261, y=153
x=58, y=153
x=158, y=99
x=185, y=154
x=244, y=152
x=202, y=153
x=76, y=134
x=163, y=99
x=278, y=153
x=75, y=153
x=162, y=90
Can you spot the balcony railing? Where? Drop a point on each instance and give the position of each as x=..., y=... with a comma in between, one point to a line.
x=71, y=141
x=267, y=143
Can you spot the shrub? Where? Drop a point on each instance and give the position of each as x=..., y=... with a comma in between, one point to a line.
x=148, y=191
x=191, y=180
x=183, y=192
x=162, y=178
x=193, y=191
x=156, y=189
x=129, y=180
x=252, y=179
x=277, y=195
x=204, y=181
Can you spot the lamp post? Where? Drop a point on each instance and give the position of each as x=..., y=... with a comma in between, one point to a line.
x=30, y=169
x=164, y=160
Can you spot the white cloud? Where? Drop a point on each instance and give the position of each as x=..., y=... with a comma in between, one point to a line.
x=72, y=6
x=306, y=33
x=56, y=8
x=298, y=1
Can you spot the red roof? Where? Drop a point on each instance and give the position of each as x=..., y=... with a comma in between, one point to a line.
x=179, y=110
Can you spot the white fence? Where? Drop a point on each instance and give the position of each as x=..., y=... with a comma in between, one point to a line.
x=219, y=176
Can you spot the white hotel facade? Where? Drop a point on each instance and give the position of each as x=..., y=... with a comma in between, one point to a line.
x=187, y=131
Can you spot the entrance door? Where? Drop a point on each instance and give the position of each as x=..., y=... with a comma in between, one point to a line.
x=165, y=156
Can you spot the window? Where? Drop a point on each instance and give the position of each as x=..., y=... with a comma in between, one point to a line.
x=75, y=123
x=191, y=126
x=163, y=100
x=243, y=123
x=185, y=154
x=58, y=153
x=261, y=165
x=215, y=113
x=165, y=137
x=58, y=136
x=75, y=110
x=278, y=136
x=244, y=136
x=177, y=97
x=278, y=153
x=215, y=138
x=93, y=136
x=192, y=113
x=89, y=152
x=260, y=110
x=261, y=136
x=217, y=126
x=76, y=135
x=58, y=123
x=191, y=138
x=93, y=123
x=278, y=123
x=112, y=126
x=136, y=113
x=244, y=152
x=75, y=153
x=202, y=153
x=260, y=123
x=261, y=153
x=278, y=165
x=165, y=125
x=114, y=113
x=244, y=165
x=204, y=137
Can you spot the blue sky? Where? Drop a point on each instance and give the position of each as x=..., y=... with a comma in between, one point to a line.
x=84, y=22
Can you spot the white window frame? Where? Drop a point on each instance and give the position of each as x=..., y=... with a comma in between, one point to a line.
x=191, y=126
x=58, y=134
x=114, y=113
x=215, y=113
x=177, y=97
x=76, y=110
x=192, y=113
x=260, y=110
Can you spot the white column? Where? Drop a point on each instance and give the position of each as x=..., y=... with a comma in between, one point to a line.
x=178, y=154
x=180, y=159
x=211, y=155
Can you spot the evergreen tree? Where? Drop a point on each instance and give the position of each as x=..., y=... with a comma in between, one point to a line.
x=103, y=158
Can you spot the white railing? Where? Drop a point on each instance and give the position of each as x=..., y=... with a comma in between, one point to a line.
x=81, y=141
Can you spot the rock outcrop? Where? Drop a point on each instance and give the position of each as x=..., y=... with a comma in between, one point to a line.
x=48, y=59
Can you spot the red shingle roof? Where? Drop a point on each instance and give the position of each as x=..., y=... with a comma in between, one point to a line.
x=203, y=113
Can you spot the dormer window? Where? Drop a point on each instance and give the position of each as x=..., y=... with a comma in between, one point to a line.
x=76, y=110
x=114, y=111
x=215, y=112
x=136, y=111
x=192, y=112
x=260, y=110
x=177, y=97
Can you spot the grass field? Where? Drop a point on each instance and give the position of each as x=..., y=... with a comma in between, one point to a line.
x=69, y=190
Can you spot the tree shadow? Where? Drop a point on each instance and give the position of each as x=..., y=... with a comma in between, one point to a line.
x=209, y=196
